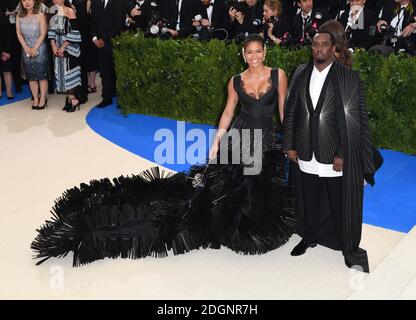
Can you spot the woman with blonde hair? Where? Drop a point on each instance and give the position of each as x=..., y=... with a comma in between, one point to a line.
x=277, y=24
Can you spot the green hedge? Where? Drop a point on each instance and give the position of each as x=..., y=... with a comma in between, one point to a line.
x=187, y=80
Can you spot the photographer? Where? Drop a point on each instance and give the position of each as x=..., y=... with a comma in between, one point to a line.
x=359, y=24
x=212, y=19
x=275, y=25
x=138, y=14
x=181, y=13
x=307, y=22
x=398, y=25
x=245, y=18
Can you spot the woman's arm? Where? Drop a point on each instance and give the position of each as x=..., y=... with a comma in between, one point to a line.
x=43, y=31
x=20, y=36
x=282, y=91
x=226, y=118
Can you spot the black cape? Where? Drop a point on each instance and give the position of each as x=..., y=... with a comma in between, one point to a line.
x=361, y=160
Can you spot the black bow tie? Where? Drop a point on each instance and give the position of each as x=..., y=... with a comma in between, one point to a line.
x=208, y=5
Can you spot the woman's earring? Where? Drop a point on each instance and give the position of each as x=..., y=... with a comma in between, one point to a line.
x=245, y=61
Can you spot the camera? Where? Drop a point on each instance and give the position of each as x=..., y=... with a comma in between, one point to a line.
x=399, y=43
x=158, y=26
x=204, y=33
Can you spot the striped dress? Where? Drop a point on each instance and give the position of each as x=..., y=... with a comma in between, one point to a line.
x=67, y=69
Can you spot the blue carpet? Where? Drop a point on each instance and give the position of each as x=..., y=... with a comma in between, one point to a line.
x=25, y=94
x=391, y=204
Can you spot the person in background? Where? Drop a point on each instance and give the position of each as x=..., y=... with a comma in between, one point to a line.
x=31, y=29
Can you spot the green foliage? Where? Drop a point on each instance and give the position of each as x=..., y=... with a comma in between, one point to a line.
x=187, y=80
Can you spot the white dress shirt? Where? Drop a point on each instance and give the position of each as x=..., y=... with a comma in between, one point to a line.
x=105, y=3
x=313, y=166
x=397, y=22
x=179, y=15
x=209, y=11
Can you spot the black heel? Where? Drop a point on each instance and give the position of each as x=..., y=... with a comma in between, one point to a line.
x=44, y=106
x=72, y=108
x=67, y=104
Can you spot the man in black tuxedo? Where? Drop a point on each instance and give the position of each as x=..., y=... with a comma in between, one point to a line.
x=181, y=13
x=360, y=25
x=107, y=21
x=326, y=135
x=307, y=22
x=140, y=13
x=214, y=15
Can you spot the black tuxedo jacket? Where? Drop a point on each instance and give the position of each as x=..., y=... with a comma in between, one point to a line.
x=297, y=23
x=361, y=38
x=305, y=130
x=142, y=21
x=220, y=17
x=390, y=11
x=169, y=10
x=6, y=33
x=107, y=22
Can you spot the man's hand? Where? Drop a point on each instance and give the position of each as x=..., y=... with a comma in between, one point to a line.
x=409, y=30
x=240, y=17
x=380, y=23
x=292, y=155
x=99, y=43
x=232, y=12
x=135, y=12
x=338, y=164
x=205, y=23
x=174, y=33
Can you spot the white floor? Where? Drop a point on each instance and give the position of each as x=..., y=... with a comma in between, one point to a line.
x=45, y=152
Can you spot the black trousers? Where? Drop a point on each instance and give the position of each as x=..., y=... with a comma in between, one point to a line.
x=107, y=69
x=316, y=190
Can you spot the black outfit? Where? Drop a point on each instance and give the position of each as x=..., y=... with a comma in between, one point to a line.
x=147, y=215
x=141, y=21
x=253, y=17
x=5, y=41
x=338, y=222
x=219, y=19
x=86, y=46
x=14, y=45
x=390, y=11
x=107, y=23
x=88, y=49
x=303, y=29
x=356, y=36
x=169, y=11
x=281, y=28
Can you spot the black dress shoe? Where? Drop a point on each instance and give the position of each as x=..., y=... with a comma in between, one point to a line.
x=10, y=98
x=302, y=247
x=104, y=103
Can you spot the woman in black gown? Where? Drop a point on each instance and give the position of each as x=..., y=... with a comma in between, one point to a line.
x=246, y=206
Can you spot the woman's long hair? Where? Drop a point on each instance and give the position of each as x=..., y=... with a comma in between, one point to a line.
x=36, y=8
x=342, y=54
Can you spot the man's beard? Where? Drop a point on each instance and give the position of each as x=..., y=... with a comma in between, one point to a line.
x=320, y=60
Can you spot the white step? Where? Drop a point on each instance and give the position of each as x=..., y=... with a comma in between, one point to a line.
x=394, y=276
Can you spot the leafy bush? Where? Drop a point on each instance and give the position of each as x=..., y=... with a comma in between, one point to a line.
x=187, y=80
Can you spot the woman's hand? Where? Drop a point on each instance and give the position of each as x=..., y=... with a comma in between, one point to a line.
x=60, y=51
x=213, y=151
